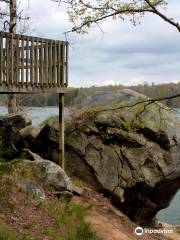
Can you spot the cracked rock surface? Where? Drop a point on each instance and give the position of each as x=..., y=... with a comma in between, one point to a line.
x=131, y=154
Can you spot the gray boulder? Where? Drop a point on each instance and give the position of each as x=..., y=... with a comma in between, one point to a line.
x=16, y=120
x=10, y=126
x=33, y=188
x=131, y=154
x=30, y=132
x=52, y=174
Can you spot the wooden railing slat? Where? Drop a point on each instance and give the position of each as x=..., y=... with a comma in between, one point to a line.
x=1, y=60
x=62, y=61
x=27, y=61
x=22, y=60
x=11, y=60
x=67, y=60
x=55, y=64
x=50, y=64
x=18, y=62
x=32, y=62
x=46, y=63
x=7, y=60
x=36, y=63
x=41, y=65
x=59, y=65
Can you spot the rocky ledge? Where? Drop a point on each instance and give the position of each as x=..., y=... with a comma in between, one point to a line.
x=125, y=146
x=131, y=154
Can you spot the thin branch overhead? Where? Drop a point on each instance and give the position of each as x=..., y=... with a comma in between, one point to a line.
x=84, y=13
x=164, y=17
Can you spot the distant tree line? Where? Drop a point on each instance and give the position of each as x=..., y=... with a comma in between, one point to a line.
x=76, y=96
x=161, y=90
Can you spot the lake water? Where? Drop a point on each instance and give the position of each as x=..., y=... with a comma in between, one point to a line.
x=38, y=114
x=169, y=215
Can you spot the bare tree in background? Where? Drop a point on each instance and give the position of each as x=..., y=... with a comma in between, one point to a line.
x=9, y=18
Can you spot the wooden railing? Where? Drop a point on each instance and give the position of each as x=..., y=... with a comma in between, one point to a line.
x=31, y=64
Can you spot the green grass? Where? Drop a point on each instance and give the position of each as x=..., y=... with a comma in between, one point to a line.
x=30, y=225
x=69, y=222
x=178, y=229
x=67, y=218
x=52, y=232
x=6, y=233
x=79, y=183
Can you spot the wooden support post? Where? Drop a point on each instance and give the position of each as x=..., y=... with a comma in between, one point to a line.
x=61, y=131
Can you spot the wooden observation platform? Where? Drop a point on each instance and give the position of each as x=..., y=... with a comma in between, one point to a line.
x=35, y=65
x=31, y=64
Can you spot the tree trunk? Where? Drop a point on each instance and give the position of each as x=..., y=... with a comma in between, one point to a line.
x=12, y=106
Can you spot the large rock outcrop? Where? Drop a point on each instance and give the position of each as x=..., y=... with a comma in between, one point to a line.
x=126, y=147
x=131, y=154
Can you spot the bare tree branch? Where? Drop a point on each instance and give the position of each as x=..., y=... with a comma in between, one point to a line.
x=84, y=13
x=165, y=18
x=147, y=101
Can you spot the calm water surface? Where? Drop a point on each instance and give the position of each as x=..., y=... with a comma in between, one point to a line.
x=38, y=114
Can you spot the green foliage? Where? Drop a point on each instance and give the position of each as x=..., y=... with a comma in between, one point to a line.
x=25, y=237
x=67, y=218
x=78, y=183
x=6, y=233
x=178, y=229
x=76, y=96
x=47, y=120
x=127, y=125
x=71, y=95
x=52, y=232
x=70, y=218
x=30, y=225
x=6, y=168
x=84, y=14
x=6, y=183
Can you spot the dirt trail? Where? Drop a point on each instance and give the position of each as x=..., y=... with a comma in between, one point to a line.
x=110, y=224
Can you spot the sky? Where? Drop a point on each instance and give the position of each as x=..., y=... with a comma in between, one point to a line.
x=123, y=54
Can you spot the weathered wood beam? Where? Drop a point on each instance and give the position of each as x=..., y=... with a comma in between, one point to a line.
x=61, y=131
